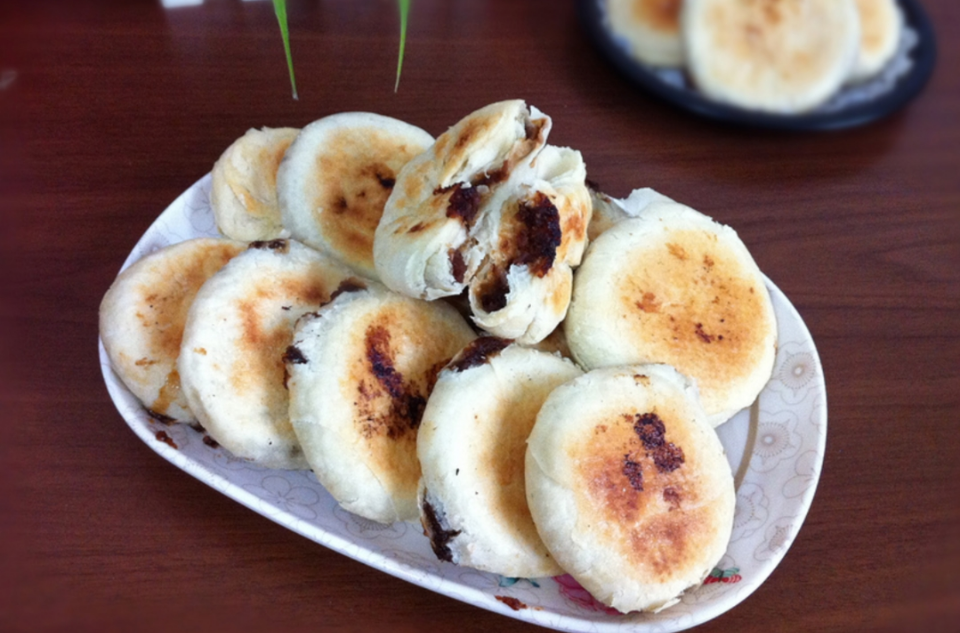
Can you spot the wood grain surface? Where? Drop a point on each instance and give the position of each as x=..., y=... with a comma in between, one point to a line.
x=109, y=110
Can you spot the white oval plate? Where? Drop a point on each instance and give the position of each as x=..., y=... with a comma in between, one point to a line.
x=775, y=449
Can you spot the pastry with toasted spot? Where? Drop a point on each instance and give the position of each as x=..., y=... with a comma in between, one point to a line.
x=673, y=286
x=336, y=177
x=361, y=369
x=650, y=29
x=143, y=314
x=881, y=26
x=471, y=448
x=629, y=486
x=777, y=56
x=243, y=192
x=238, y=328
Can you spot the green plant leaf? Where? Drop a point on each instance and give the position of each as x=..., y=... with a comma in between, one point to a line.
x=404, y=6
x=280, y=8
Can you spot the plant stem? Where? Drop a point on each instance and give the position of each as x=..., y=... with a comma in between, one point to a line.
x=280, y=8
x=404, y=6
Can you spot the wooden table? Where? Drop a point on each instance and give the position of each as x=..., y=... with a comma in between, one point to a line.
x=109, y=110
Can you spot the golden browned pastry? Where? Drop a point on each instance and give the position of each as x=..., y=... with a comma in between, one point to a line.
x=673, y=286
x=780, y=56
x=361, y=369
x=628, y=485
x=881, y=25
x=143, y=314
x=336, y=177
x=471, y=447
x=237, y=330
x=243, y=192
x=651, y=29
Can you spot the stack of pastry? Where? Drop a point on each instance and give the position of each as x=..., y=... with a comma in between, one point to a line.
x=423, y=324
x=782, y=56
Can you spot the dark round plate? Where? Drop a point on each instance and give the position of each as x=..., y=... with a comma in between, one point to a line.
x=900, y=82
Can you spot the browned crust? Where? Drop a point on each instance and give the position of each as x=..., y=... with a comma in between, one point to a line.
x=350, y=284
x=478, y=352
x=407, y=400
x=281, y=246
x=663, y=16
x=437, y=531
x=691, y=304
x=636, y=482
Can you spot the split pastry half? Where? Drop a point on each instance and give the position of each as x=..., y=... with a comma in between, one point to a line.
x=490, y=209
